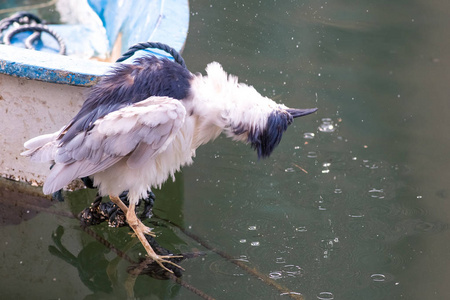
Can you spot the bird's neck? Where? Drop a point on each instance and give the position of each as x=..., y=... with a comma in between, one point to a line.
x=222, y=104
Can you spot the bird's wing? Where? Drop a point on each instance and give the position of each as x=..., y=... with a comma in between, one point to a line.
x=139, y=131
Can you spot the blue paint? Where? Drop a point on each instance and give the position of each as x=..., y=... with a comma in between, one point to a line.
x=52, y=68
x=164, y=21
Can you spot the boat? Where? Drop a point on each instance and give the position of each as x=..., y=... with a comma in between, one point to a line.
x=40, y=91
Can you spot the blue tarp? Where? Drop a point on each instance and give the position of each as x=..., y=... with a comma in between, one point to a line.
x=131, y=22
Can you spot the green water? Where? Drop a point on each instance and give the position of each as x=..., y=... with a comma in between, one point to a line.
x=352, y=204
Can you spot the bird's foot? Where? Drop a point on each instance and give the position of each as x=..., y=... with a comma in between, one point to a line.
x=148, y=266
x=142, y=228
x=164, y=259
x=136, y=224
x=159, y=259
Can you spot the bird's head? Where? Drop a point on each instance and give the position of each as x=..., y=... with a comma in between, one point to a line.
x=264, y=139
x=243, y=113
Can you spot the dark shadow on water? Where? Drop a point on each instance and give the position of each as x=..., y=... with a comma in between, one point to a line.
x=90, y=262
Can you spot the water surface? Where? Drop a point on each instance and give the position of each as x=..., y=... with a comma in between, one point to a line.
x=352, y=204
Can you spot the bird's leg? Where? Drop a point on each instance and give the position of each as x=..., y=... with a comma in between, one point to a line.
x=140, y=229
x=144, y=229
x=135, y=223
x=119, y=203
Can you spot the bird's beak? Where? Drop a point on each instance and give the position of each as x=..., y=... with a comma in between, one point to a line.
x=294, y=112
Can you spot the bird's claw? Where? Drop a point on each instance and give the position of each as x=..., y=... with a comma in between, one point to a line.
x=164, y=259
x=150, y=233
x=142, y=228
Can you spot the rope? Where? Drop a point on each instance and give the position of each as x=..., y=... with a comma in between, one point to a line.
x=29, y=22
x=155, y=45
x=21, y=18
x=252, y=271
x=38, y=28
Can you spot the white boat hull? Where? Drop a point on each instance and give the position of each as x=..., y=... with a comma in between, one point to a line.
x=29, y=108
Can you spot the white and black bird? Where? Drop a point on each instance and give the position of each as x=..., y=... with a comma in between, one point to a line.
x=142, y=122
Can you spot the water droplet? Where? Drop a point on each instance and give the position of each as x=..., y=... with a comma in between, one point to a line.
x=312, y=154
x=326, y=170
x=356, y=215
x=251, y=227
x=275, y=275
x=243, y=258
x=378, y=277
x=374, y=193
x=325, y=296
x=371, y=166
x=280, y=260
x=301, y=229
x=292, y=293
x=308, y=135
x=327, y=125
x=254, y=244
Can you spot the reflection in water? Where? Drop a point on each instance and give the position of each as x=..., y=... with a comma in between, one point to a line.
x=91, y=262
x=99, y=274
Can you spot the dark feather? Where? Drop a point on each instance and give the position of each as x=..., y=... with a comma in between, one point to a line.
x=127, y=84
x=264, y=141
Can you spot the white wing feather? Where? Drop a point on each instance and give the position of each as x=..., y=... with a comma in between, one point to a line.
x=136, y=133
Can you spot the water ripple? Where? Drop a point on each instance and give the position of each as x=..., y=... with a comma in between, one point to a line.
x=308, y=135
x=378, y=277
x=327, y=125
x=325, y=296
x=286, y=271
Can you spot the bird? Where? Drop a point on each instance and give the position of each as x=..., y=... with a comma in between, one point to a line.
x=144, y=120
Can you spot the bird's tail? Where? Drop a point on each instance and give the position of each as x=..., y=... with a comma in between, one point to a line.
x=41, y=148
